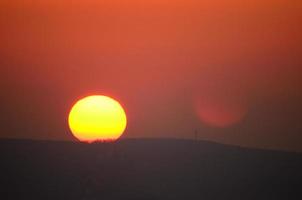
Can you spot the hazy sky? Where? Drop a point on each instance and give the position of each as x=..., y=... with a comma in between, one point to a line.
x=230, y=69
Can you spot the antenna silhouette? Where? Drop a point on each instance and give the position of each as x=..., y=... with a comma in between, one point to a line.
x=196, y=134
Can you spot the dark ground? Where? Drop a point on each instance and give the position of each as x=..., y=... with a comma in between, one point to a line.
x=146, y=169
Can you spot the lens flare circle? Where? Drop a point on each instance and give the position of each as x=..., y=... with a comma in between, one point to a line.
x=220, y=111
x=97, y=118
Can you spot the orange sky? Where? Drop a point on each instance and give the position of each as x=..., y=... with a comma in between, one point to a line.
x=157, y=57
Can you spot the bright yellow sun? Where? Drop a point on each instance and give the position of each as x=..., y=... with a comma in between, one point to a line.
x=97, y=118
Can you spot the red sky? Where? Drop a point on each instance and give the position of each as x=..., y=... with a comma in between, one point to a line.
x=161, y=59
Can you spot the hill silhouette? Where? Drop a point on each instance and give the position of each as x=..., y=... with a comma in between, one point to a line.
x=146, y=169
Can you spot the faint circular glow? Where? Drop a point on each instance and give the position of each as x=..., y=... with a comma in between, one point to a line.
x=97, y=118
x=220, y=111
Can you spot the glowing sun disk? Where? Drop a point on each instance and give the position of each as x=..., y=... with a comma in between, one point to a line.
x=97, y=118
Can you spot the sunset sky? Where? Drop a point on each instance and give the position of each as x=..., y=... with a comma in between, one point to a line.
x=230, y=69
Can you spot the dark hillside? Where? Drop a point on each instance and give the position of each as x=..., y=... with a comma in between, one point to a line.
x=146, y=169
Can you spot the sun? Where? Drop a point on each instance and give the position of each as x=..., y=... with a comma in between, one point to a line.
x=97, y=118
